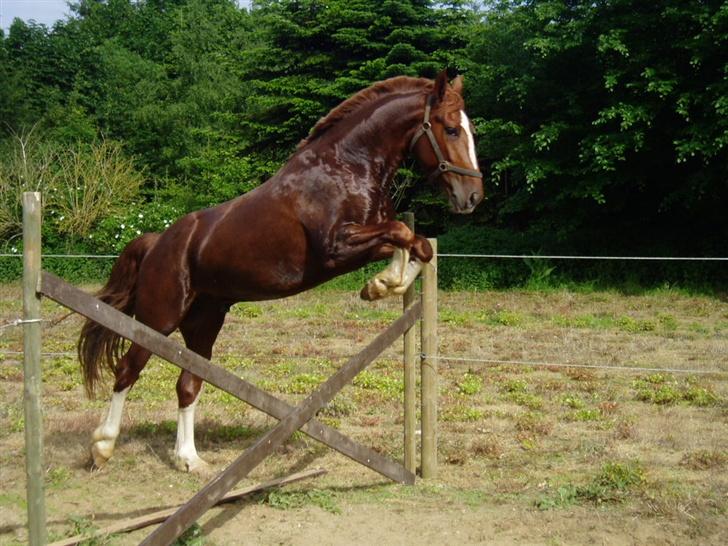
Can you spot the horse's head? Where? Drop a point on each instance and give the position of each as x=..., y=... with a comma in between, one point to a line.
x=448, y=151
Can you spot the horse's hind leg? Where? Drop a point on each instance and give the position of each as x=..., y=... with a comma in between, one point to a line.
x=200, y=329
x=127, y=372
x=161, y=314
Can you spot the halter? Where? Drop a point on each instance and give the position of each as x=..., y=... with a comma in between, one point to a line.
x=443, y=165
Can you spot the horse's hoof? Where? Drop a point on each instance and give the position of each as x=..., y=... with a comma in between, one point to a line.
x=101, y=452
x=375, y=289
x=193, y=465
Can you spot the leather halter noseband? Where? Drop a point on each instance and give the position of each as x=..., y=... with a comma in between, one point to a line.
x=443, y=165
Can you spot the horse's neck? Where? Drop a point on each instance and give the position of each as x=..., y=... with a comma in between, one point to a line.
x=380, y=140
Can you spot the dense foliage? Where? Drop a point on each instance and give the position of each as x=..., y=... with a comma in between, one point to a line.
x=602, y=125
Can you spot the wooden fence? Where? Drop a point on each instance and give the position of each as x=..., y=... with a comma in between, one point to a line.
x=37, y=283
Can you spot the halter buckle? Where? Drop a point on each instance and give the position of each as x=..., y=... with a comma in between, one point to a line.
x=427, y=126
x=444, y=166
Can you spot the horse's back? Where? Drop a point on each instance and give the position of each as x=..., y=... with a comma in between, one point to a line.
x=253, y=247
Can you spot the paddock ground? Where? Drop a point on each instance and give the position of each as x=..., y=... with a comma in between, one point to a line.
x=528, y=454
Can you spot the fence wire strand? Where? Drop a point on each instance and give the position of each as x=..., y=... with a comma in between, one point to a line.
x=455, y=255
x=570, y=257
x=474, y=360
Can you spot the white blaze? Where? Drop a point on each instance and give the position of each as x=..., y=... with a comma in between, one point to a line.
x=465, y=124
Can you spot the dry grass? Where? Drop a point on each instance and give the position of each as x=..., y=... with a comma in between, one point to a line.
x=512, y=437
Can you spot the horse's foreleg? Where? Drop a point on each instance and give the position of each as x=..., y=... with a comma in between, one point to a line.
x=104, y=437
x=392, y=238
x=199, y=329
x=185, y=452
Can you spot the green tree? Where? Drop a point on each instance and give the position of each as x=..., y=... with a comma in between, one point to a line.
x=310, y=55
x=604, y=123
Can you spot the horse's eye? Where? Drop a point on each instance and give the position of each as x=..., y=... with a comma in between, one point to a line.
x=452, y=131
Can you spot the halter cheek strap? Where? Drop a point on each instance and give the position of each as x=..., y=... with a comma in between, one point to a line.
x=443, y=165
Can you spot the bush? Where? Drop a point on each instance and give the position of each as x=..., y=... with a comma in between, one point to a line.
x=80, y=185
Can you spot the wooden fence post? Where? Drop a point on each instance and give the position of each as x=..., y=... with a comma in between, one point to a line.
x=410, y=374
x=37, y=534
x=428, y=367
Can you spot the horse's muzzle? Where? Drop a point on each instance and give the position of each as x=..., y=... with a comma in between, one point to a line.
x=464, y=196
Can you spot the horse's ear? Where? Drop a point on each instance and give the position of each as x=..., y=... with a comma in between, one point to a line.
x=457, y=85
x=438, y=92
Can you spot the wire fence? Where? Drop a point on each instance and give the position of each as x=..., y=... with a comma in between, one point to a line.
x=442, y=358
x=273, y=358
x=476, y=256
x=575, y=257
x=614, y=367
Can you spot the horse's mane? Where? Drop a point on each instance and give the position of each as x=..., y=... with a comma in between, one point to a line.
x=399, y=84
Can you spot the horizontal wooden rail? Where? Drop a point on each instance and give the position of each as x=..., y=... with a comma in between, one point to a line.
x=90, y=307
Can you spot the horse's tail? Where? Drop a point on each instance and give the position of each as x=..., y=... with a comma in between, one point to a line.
x=97, y=345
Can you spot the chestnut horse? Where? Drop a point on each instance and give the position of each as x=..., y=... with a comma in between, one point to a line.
x=326, y=212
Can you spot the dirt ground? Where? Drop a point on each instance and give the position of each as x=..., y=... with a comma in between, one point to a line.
x=528, y=454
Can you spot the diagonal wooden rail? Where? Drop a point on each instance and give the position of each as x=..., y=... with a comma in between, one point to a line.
x=209, y=495
x=90, y=307
x=159, y=516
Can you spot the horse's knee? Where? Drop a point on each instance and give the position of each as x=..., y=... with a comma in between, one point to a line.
x=422, y=249
x=130, y=367
x=188, y=389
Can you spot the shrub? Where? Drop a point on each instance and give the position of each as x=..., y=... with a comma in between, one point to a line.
x=80, y=184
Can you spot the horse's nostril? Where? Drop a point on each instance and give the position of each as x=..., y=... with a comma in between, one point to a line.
x=475, y=198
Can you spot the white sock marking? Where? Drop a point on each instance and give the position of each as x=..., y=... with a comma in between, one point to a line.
x=111, y=425
x=465, y=124
x=184, y=448
x=413, y=269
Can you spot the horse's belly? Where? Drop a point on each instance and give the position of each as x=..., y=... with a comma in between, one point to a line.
x=255, y=268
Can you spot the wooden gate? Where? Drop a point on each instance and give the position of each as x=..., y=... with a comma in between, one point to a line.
x=291, y=419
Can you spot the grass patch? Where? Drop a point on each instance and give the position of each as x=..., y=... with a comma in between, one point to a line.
x=513, y=386
x=634, y=326
x=572, y=401
x=303, y=383
x=208, y=431
x=470, y=384
x=502, y=318
x=85, y=527
x=290, y=500
x=462, y=414
x=455, y=318
x=383, y=384
x=664, y=389
x=57, y=476
x=612, y=484
x=148, y=429
x=246, y=310
x=530, y=401
x=586, y=414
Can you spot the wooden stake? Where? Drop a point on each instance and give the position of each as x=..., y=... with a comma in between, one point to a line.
x=37, y=534
x=410, y=374
x=428, y=367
